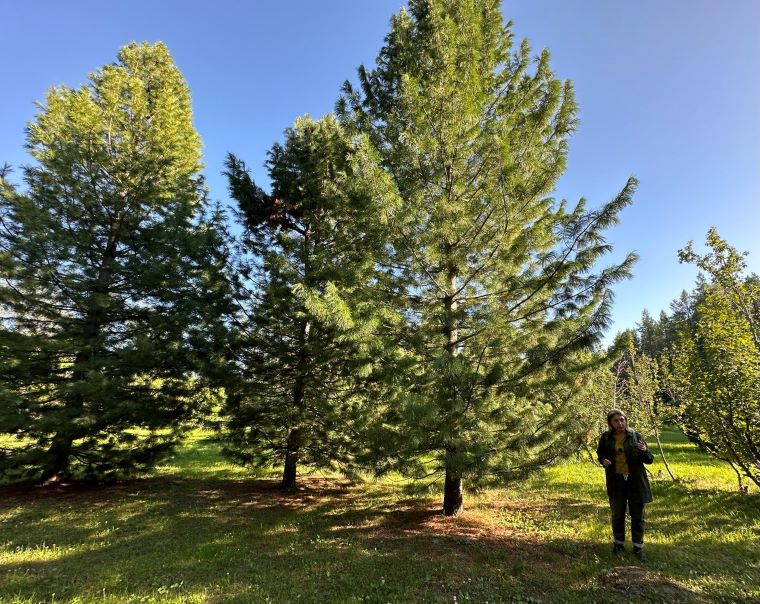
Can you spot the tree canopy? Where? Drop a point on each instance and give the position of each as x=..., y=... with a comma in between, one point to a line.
x=717, y=361
x=109, y=272
x=499, y=288
x=306, y=334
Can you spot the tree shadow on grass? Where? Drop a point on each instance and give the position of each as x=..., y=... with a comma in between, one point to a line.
x=706, y=536
x=249, y=541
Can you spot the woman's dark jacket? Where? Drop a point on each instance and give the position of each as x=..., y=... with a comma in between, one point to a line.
x=638, y=487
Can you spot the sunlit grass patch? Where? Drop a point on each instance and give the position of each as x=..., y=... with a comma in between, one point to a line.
x=204, y=530
x=198, y=456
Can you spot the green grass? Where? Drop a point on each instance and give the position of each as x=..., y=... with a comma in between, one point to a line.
x=201, y=530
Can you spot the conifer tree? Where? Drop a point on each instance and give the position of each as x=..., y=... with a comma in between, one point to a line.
x=110, y=264
x=501, y=293
x=305, y=338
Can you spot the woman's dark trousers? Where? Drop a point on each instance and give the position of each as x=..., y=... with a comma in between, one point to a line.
x=627, y=496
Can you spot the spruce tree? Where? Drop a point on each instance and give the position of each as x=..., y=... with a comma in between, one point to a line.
x=305, y=335
x=110, y=264
x=501, y=296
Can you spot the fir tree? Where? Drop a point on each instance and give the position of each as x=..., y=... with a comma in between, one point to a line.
x=472, y=138
x=305, y=338
x=110, y=266
x=650, y=335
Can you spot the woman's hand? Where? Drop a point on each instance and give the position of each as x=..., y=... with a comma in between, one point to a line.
x=642, y=446
x=606, y=463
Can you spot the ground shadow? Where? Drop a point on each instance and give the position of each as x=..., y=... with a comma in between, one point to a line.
x=248, y=540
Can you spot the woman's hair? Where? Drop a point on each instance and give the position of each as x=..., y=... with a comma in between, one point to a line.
x=612, y=413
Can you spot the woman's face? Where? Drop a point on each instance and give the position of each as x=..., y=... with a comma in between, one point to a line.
x=619, y=423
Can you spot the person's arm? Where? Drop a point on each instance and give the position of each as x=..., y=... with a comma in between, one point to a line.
x=600, y=453
x=645, y=455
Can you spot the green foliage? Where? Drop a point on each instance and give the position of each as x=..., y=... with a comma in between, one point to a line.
x=305, y=340
x=717, y=361
x=494, y=278
x=110, y=270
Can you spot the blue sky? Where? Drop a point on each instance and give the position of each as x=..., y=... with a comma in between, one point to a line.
x=669, y=91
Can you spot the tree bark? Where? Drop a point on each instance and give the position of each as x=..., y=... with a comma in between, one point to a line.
x=291, y=459
x=59, y=454
x=293, y=444
x=452, y=489
x=452, y=494
x=451, y=304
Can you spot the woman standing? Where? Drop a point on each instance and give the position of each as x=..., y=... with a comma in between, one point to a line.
x=623, y=454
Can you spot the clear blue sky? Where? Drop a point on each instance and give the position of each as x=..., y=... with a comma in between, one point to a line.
x=669, y=92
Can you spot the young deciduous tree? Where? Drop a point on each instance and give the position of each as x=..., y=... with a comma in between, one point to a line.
x=108, y=270
x=305, y=339
x=501, y=292
x=717, y=363
x=638, y=388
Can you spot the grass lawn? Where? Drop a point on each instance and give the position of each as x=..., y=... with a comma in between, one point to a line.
x=202, y=530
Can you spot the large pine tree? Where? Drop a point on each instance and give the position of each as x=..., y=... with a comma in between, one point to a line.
x=305, y=338
x=472, y=138
x=109, y=264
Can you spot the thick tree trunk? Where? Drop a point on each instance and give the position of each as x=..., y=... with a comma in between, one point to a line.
x=291, y=459
x=59, y=454
x=452, y=494
x=452, y=489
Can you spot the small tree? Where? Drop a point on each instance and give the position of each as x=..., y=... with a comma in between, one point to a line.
x=717, y=364
x=625, y=379
x=638, y=389
x=109, y=270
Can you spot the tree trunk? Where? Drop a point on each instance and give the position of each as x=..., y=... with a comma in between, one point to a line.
x=452, y=494
x=60, y=448
x=293, y=445
x=662, y=453
x=291, y=459
x=452, y=489
x=59, y=454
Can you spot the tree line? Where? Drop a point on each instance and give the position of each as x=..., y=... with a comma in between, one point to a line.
x=696, y=368
x=407, y=297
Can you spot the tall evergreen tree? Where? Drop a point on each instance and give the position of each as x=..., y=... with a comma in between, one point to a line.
x=305, y=338
x=109, y=265
x=498, y=276
x=650, y=335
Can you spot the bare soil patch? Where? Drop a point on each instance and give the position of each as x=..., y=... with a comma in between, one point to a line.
x=636, y=582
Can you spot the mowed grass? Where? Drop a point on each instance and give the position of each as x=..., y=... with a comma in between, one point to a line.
x=202, y=530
